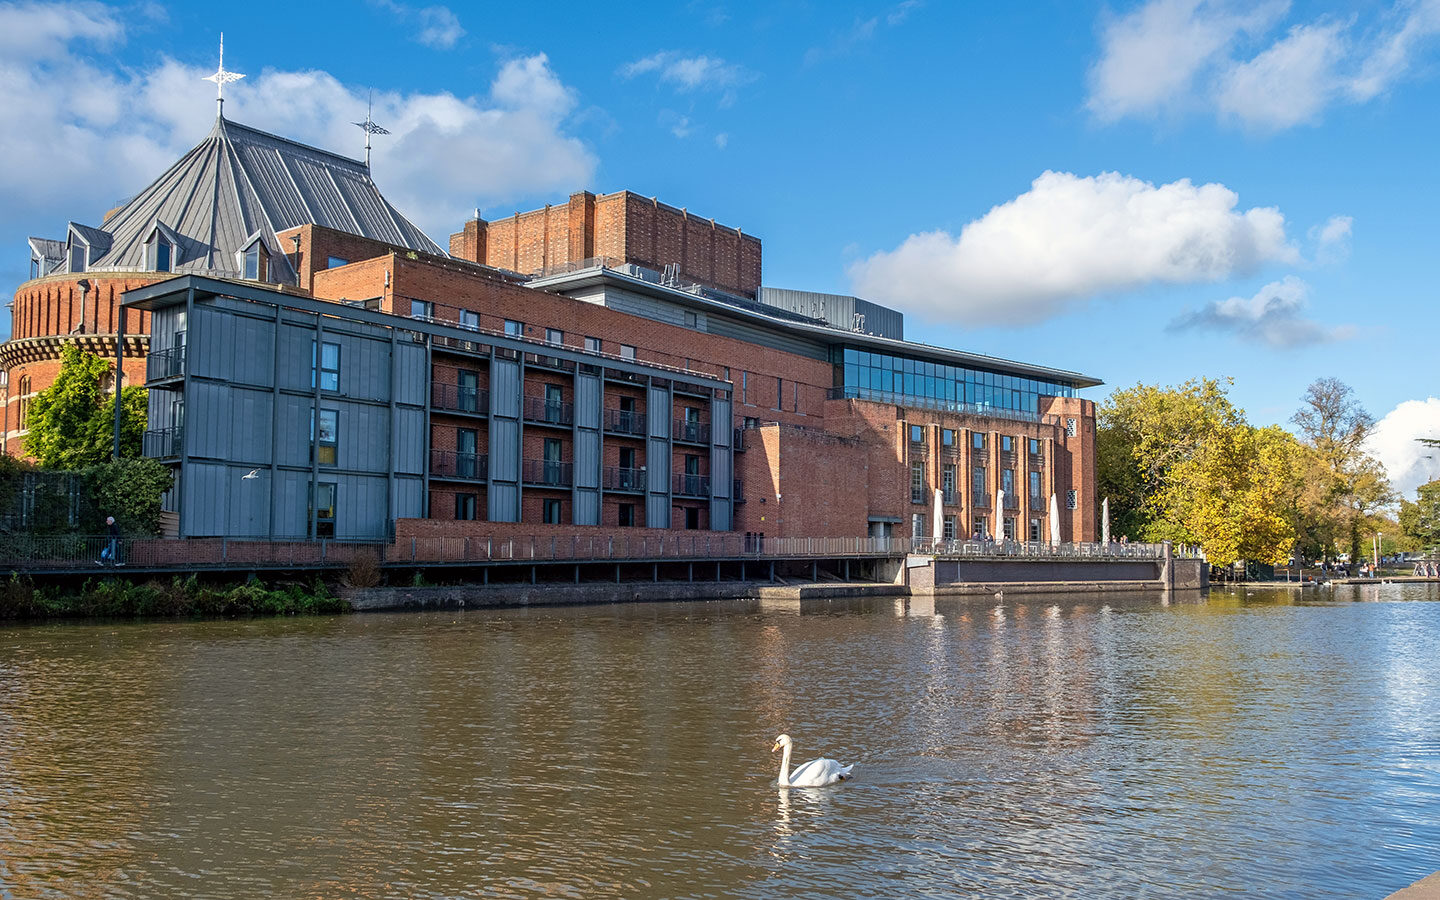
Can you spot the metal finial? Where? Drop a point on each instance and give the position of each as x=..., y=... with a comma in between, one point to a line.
x=222, y=78
x=369, y=127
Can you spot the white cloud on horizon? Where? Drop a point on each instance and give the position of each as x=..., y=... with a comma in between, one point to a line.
x=1168, y=57
x=1070, y=238
x=1408, y=462
x=1273, y=317
x=445, y=154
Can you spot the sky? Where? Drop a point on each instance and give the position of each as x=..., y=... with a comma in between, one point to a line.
x=1137, y=191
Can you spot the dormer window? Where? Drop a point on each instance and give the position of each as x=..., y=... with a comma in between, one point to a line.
x=162, y=256
x=252, y=263
x=35, y=267
x=254, y=260
x=161, y=249
x=77, y=258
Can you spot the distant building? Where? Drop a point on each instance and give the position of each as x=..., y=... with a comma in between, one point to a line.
x=609, y=363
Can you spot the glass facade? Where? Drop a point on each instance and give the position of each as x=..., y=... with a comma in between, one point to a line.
x=881, y=376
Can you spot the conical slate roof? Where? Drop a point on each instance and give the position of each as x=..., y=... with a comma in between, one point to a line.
x=240, y=184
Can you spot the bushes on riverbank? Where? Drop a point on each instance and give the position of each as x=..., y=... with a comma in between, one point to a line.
x=115, y=597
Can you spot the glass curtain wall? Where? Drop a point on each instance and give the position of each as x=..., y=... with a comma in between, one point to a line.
x=884, y=377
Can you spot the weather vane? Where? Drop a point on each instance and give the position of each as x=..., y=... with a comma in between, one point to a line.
x=222, y=78
x=369, y=127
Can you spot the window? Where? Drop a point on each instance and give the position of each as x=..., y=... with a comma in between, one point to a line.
x=34, y=267
x=1007, y=444
x=1007, y=481
x=692, y=464
x=421, y=309
x=947, y=483
x=917, y=482
x=514, y=329
x=691, y=320
x=252, y=263
x=470, y=319
x=917, y=434
x=917, y=526
x=466, y=461
x=1035, y=530
x=554, y=336
x=627, y=457
x=554, y=402
x=692, y=518
x=592, y=344
x=752, y=422
x=465, y=506
x=24, y=411
x=1009, y=528
x=77, y=258
x=1034, y=447
x=977, y=439
x=949, y=524
x=322, y=509
x=1070, y=428
x=627, y=351
x=162, y=256
x=1034, y=486
x=977, y=482
x=982, y=528
x=779, y=392
x=468, y=391
x=324, y=436
x=625, y=515
x=745, y=387
x=1071, y=500
x=335, y=262
x=947, y=437
x=552, y=462
x=329, y=372
x=551, y=512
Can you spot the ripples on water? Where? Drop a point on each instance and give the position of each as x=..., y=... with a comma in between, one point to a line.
x=1096, y=747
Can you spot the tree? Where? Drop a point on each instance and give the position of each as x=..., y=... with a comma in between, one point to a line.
x=1420, y=521
x=1354, y=483
x=131, y=491
x=71, y=423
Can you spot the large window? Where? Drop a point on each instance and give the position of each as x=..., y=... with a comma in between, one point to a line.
x=465, y=506
x=592, y=344
x=329, y=366
x=325, y=436
x=421, y=309
x=322, y=509
x=627, y=351
x=470, y=319
x=947, y=483
x=1034, y=486
x=468, y=390
x=554, y=336
x=552, y=512
x=917, y=482
x=625, y=515
x=466, y=461
x=516, y=329
x=252, y=263
x=894, y=378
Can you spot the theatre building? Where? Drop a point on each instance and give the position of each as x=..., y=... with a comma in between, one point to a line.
x=610, y=362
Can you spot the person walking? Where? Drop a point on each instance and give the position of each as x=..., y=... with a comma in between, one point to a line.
x=111, y=554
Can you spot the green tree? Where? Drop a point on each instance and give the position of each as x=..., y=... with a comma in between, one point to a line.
x=130, y=490
x=71, y=423
x=1420, y=521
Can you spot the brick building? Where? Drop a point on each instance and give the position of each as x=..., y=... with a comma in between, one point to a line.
x=612, y=362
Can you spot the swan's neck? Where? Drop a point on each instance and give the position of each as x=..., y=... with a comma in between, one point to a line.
x=785, y=765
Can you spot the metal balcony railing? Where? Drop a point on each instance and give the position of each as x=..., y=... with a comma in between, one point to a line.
x=549, y=412
x=950, y=497
x=622, y=479
x=163, y=443
x=456, y=398
x=1038, y=503
x=737, y=441
x=691, y=432
x=692, y=485
x=1012, y=501
x=622, y=421
x=165, y=363
x=456, y=464
x=917, y=495
x=547, y=472
x=981, y=501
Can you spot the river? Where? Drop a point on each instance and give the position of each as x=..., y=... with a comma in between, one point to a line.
x=1102, y=747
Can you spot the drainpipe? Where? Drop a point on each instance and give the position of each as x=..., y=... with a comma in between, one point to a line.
x=84, y=286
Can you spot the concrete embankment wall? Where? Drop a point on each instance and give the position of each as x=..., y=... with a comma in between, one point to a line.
x=943, y=577
x=510, y=595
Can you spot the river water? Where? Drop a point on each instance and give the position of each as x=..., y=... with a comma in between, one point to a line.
x=1113, y=746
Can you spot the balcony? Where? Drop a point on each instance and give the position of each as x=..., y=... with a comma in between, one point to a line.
x=163, y=443
x=625, y=421
x=1012, y=501
x=549, y=412
x=917, y=494
x=162, y=364
x=621, y=479
x=547, y=472
x=692, y=485
x=691, y=432
x=950, y=497
x=982, y=500
x=1038, y=504
x=454, y=398
x=738, y=440
x=454, y=464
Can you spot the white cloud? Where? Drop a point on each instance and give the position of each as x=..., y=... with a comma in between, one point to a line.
x=1178, y=55
x=90, y=133
x=1332, y=240
x=433, y=26
x=1408, y=462
x=1069, y=238
x=722, y=140
x=689, y=73
x=1274, y=317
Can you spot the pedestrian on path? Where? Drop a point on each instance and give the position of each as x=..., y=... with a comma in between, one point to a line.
x=111, y=554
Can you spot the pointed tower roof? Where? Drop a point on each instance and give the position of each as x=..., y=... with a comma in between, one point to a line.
x=239, y=181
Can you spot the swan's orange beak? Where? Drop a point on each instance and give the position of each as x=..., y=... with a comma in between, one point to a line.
x=774, y=748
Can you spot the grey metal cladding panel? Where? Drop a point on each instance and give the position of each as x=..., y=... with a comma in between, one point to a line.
x=409, y=441
x=324, y=201
x=205, y=504
x=360, y=507
x=646, y=307
x=234, y=348
x=292, y=504
x=365, y=374
x=365, y=203
x=410, y=372
x=504, y=450
x=282, y=205
x=720, y=514
x=250, y=434
x=657, y=408
x=722, y=471
x=725, y=326
x=881, y=320
x=587, y=508
x=657, y=511
x=162, y=327
x=587, y=401
x=296, y=357
x=209, y=418
x=720, y=423
x=657, y=459
x=409, y=498
x=587, y=459
x=364, y=436
x=502, y=502
x=505, y=388
x=294, y=427
x=249, y=503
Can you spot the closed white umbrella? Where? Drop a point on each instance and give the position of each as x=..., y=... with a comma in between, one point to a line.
x=938, y=523
x=1105, y=521
x=1000, y=514
x=1054, y=520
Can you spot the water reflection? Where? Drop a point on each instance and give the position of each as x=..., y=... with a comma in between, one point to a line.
x=1103, y=746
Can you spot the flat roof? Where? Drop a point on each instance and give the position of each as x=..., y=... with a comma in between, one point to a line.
x=599, y=274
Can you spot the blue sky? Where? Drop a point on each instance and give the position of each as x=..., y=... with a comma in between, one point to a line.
x=1146, y=191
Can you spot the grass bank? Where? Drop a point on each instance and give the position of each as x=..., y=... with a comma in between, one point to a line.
x=116, y=597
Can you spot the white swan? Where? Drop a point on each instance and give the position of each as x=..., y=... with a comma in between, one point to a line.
x=815, y=773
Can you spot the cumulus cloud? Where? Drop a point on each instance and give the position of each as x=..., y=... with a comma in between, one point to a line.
x=433, y=26
x=1332, y=240
x=1408, y=462
x=1274, y=317
x=89, y=132
x=1171, y=56
x=1069, y=238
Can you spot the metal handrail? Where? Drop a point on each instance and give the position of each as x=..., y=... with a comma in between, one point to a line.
x=455, y=398
x=547, y=472
x=621, y=421
x=459, y=464
x=618, y=478
x=691, y=432
x=163, y=443
x=549, y=412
